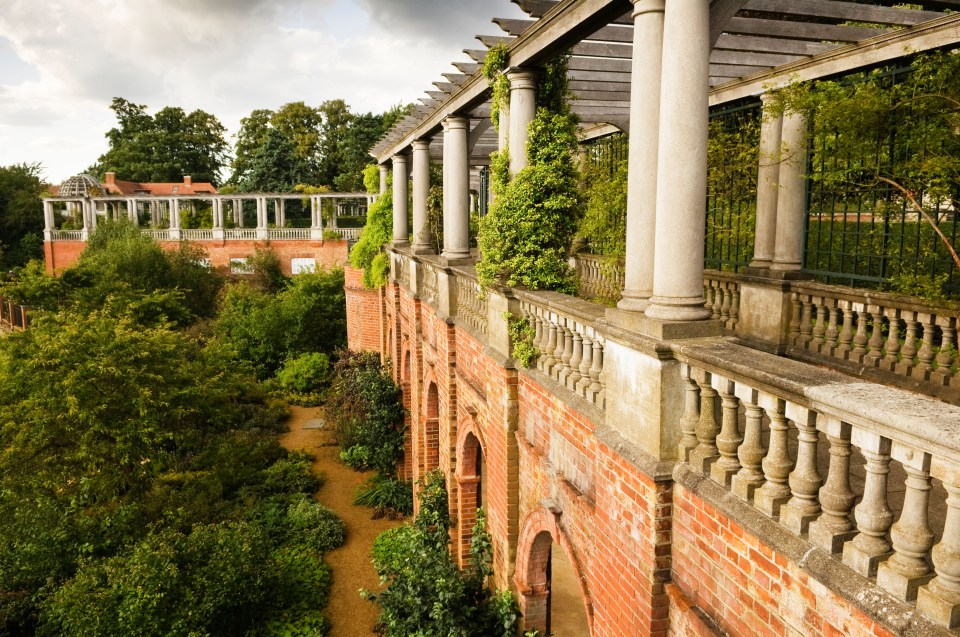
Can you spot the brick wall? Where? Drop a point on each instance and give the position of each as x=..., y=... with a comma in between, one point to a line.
x=364, y=319
x=328, y=254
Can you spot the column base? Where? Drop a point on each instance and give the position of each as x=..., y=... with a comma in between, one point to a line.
x=664, y=330
x=456, y=258
x=423, y=248
x=828, y=539
x=399, y=244
x=668, y=308
x=633, y=302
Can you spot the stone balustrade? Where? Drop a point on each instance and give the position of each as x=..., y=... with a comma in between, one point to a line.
x=863, y=329
x=242, y=234
x=428, y=284
x=67, y=235
x=598, y=278
x=571, y=348
x=471, y=302
x=868, y=474
x=197, y=235
x=722, y=293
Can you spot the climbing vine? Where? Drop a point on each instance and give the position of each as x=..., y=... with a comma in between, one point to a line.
x=526, y=237
x=521, y=339
x=368, y=253
x=494, y=69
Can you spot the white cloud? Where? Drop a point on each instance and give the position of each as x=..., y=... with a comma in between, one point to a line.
x=62, y=61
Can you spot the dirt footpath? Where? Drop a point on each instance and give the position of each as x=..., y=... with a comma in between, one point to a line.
x=352, y=569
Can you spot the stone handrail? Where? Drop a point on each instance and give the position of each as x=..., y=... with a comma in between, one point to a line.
x=289, y=234
x=598, y=277
x=66, y=235
x=571, y=348
x=202, y=234
x=898, y=335
x=471, y=302
x=722, y=293
x=805, y=478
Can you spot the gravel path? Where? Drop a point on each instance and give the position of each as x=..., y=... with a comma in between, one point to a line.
x=352, y=569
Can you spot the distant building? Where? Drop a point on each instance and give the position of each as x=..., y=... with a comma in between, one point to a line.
x=114, y=186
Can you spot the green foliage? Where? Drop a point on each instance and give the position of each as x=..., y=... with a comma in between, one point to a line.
x=302, y=379
x=276, y=166
x=521, y=340
x=494, y=69
x=368, y=252
x=387, y=496
x=137, y=470
x=604, y=223
x=526, y=237
x=426, y=594
x=163, y=147
x=265, y=329
x=364, y=405
x=371, y=179
x=21, y=215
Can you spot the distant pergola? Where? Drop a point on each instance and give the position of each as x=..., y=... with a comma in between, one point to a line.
x=756, y=44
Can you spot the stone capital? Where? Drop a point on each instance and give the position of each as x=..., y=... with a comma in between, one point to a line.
x=522, y=78
x=399, y=160
x=648, y=6
x=453, y=122
x=421, y=144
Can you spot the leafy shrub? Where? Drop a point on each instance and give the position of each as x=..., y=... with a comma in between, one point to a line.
x=426, y=594
x=291, y=475
x=368, y=253
x=315, y=525
x=386, y=496
x=364, y=405
x=301, y=379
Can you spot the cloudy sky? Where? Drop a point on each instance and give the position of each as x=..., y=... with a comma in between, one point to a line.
x=62, y=61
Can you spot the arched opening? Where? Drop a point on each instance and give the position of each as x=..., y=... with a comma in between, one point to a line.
x=471, y=490
x=406, y=468
x=431, y=430
x=552, y=597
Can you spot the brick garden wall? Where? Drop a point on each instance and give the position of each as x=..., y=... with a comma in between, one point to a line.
x=653, y=557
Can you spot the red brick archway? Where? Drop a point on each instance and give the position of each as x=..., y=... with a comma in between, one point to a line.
x=431, y=429
x=469, y=477
x=406, y=387
x=539, y=532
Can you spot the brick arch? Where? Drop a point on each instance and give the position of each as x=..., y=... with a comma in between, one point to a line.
x=468, y=475
x=539, y=531
x=431, y=427
x=406, y=389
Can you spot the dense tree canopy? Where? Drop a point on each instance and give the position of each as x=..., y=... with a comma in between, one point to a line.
x=163, y=147
x=21, y=214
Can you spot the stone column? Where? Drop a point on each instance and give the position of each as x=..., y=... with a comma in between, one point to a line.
x=384, y=170
x=642, y=169
x=523, y=106
x=422, y=239
x=792, y=195
x=401, y=187
x=262, y=231
x=682, y=164
x=456, y=189
x=132, y=211
x=49, y=222
x=768, y=186
x=281, y=211
x=174, y=214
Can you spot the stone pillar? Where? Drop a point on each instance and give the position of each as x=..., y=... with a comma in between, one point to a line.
x=281, y=211
x=792, y=195
x=768, y=186
x=523, y=107
x=49, y=222
x=174, y=214
x=644, y=137
x=263, y=232
x=401, y=187
x=456, y=189
x=682, y=164
x=422, y=239
x=132, y=211
x=384, y=170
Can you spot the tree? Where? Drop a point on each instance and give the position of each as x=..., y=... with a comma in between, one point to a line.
x=164, y=147
x=21, y=214
x=293, y=133
x=276, y=166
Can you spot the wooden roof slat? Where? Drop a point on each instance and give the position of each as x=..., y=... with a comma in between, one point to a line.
x=599, y=76
x=600, y=64
x=759, y=44
x=537, y=9
x=844, y=11
x=586, y=85
x=610, y=33
x=467, y=67
x=456, y=78
x=800, y=30
x=749, y=58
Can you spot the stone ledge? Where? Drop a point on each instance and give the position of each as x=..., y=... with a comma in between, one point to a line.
x=662, y=330
x=898, y=617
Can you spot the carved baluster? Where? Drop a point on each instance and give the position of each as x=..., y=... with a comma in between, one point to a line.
x=596, y=369
x=806, y=321
x=909, y=350
x=860, y=338
x=725, y=304
x=729, y=438
x=907, y=569
x=585, y=364
x=832, y=333
x=947, y=352
x=566, y=353
x=777, y=465
x=805, y=481
x=793, y=330
x=750, y=454
x=875, y=344
x=870, y=546
x=846, y=331
x=549, y=360
x=714, y=299
x=691, y=413
x=706, y=451
x=892, y=346
x=940, y=599
x=602, y=393
x=734, y=310
x=926, y=354
x=820, y=328
x=834, y=526
x=574, y=376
